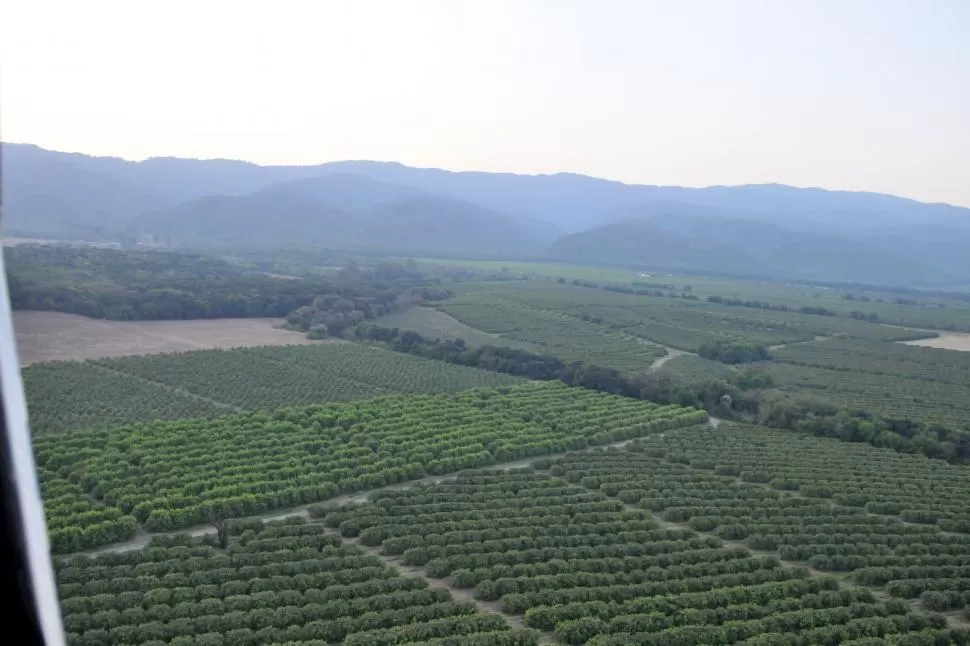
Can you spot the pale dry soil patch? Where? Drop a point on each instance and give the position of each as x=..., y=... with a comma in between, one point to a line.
x=671, y=354
x=959, y=341
x=55, y=336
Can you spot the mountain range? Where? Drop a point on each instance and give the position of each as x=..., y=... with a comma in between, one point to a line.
x=767, y=230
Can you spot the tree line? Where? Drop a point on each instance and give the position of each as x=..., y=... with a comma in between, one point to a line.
x=150, y=285
x=748, y=396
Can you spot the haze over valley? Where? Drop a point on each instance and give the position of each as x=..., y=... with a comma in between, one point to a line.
x=770, y=231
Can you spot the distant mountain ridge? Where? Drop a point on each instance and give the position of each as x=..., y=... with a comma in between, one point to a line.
x=735, y=247
x=339, y=211
x=387, y=206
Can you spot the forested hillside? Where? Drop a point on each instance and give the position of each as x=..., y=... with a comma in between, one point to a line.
x=743, y=247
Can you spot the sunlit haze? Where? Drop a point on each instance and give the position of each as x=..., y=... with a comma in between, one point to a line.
x=843, y=94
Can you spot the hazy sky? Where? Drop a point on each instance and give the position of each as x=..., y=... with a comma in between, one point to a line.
x=853, y=94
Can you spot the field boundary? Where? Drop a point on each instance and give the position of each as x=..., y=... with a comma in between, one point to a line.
x=308, y=370
x=175, y=389
x=141, y=539
x=952, y=619
x=495, y=607
x=459, y=594
x=45, y=336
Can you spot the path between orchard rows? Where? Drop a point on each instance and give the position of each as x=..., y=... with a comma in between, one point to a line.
x=463, y=594
x=673, y=353
x=657, y=363
x=232, y=407
x=467, y=594
x=174, y=389
x=459, y=594
x=142, y=538
x=517, y=621
x=953, y=618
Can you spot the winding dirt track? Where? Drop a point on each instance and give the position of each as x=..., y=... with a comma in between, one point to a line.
x=672, y=353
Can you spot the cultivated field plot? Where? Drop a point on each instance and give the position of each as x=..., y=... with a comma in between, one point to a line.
x=73, y=518
x=69, y=395
x=393, y=371
x=566, y=337
x=66, y=395
x=689, y=368
x=689, y=328
x=933, y=310
x=282, y=583
x=169, y=475
x=674, y=322
x=924, y=363
x=889, y=519
x=54, y=336
x=886, y=395
x=580, y=563
x=688, y=324
x=433, y=324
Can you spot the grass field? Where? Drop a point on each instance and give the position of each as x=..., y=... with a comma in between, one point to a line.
x=435, y=324
x=54, y=336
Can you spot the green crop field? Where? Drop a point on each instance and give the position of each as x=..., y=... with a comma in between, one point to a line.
x=169, y=475
x=66, y=395
x=351, y=493
x=97, y=393
x=853, y=355
x=434, y=324
x=690, y=368
x=912, y=488
x=662, y=543
x=676, y=322
x=884, y=394
x=911, y=308
x=567, y=337
x=282, y=583
x=691, y=535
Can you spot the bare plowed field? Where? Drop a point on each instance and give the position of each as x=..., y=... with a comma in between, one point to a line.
x=53, y=336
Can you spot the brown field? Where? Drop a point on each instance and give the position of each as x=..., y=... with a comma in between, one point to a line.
x=53, y=336
x=947, y=341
